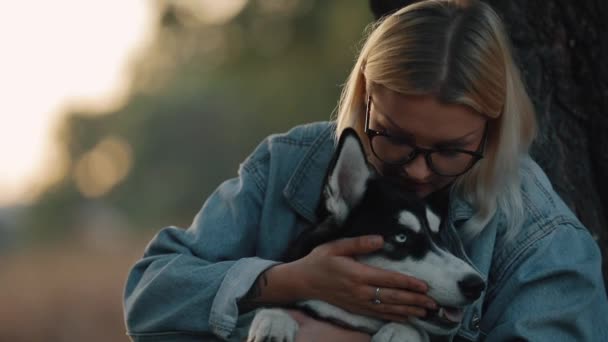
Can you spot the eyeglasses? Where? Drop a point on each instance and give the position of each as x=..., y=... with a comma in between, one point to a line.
x=394, y=150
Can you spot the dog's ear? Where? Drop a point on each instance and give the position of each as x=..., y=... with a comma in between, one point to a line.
x=347, y=177
x=433, y=219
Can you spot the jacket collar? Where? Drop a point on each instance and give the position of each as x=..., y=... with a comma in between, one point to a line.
x=459, y=210
x=303, y=190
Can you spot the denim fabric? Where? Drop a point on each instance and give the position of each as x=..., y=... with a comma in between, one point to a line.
x=544, y=284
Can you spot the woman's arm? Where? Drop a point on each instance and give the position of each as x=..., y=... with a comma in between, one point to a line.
x=549, y=290
x=189, y=281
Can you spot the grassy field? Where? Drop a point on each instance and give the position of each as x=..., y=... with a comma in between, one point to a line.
x=70, y=291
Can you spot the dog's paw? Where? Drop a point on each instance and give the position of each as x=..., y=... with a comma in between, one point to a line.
x=272, y=325
x=395, y=332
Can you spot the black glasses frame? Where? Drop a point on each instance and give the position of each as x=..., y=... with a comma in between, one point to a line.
x=371, y=134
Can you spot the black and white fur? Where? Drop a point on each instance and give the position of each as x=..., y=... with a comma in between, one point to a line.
x=358, y=202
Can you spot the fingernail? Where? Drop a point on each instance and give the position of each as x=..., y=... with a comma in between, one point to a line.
x=431, y=305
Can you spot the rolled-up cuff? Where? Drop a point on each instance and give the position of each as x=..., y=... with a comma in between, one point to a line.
x=237, y=282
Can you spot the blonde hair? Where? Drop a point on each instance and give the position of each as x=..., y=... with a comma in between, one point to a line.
x=458, y=51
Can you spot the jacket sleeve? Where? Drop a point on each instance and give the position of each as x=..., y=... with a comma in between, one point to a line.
x=549, y=290
x=189, y=281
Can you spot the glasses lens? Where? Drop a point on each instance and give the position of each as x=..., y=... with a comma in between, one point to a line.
x=397, y=151
x=391, y=150
x=449, y=163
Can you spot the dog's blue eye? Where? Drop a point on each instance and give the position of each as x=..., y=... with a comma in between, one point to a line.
x=401, y=238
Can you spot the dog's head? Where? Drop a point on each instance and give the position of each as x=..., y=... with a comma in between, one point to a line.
x=358, y=201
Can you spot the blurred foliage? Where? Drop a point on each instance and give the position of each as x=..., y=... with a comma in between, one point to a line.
x=203, y=95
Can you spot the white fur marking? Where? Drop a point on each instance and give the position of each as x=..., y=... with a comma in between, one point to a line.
x=409, y=220
x=396, y=332
x=272, y=324
x=434, y=220
x=337, y=207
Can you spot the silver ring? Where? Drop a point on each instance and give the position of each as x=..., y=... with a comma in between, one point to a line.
x=377, y=297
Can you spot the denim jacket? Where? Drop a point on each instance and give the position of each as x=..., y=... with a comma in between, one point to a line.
x=545, y=284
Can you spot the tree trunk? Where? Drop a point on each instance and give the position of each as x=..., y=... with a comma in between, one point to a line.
x=562, y=56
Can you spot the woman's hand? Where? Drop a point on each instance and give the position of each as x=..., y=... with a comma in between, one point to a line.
x=329, y=273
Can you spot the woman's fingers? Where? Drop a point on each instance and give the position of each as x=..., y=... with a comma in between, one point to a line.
x=400, y=297
x=395, y=304
x=351, y=246
x=389, y=279
x=345, y=282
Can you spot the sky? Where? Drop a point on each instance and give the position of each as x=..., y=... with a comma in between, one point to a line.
x=62, y=52
x=53, y=53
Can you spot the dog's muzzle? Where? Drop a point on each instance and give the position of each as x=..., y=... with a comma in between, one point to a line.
x=446, y=316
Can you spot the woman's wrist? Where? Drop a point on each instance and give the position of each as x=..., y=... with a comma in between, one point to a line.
x=279, y=284
x=287, y=286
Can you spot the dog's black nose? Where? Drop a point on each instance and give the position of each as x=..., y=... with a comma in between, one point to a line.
x=471, y=286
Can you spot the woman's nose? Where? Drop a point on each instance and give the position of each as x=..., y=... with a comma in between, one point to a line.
x=418, y=169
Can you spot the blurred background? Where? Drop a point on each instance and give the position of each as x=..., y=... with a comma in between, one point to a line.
x=118, y=118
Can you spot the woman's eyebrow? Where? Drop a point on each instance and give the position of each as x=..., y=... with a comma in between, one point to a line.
x=454, y=141
x=462, y=140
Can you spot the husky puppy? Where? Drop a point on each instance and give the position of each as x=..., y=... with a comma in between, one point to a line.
x=357, y=201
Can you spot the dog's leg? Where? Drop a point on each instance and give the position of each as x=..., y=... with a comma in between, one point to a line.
x=395, y=332
x=272, y=325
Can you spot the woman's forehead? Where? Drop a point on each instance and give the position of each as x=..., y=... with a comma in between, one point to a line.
x=424, y=116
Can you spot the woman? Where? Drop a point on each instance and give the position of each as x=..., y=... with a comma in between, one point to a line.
x=438, y=102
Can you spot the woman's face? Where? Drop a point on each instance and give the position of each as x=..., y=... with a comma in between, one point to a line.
x=426, y=123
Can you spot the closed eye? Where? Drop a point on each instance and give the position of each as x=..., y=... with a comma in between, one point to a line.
x=397, y=140
x=448, y=153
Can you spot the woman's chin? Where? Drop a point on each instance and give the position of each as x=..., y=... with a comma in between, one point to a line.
x=422, y=190
x=424, y=194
